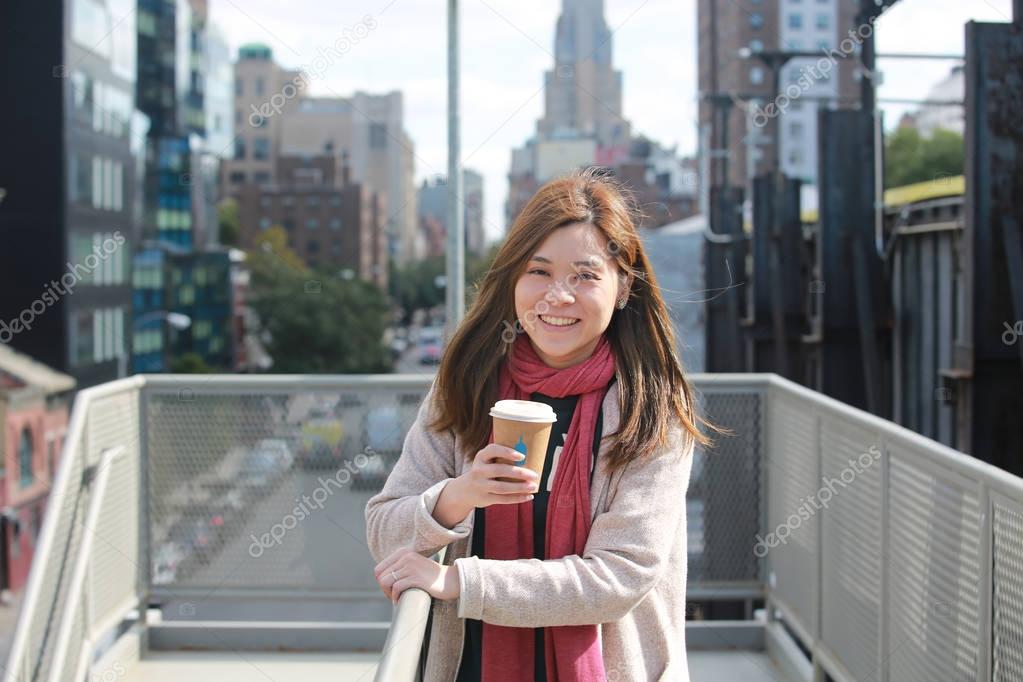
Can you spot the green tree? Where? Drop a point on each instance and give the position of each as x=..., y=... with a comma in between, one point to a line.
x=189, y=363
x=912, y=158
x=415, y=287
x=229, y=222
x=314, y=321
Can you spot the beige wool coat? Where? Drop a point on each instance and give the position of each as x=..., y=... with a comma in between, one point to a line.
x=630, y=579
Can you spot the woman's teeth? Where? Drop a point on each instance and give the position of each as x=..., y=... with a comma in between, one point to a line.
x=559, y=321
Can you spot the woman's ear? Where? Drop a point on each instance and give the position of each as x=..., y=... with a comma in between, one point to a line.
x=624, y=287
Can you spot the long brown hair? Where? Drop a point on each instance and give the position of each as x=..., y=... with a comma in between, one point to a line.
x=653, y=391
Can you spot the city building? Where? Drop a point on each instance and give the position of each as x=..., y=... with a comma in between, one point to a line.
x=34, y=402
x=274, y=117
x=931, y=117
x=735, y=87
x=583, y=92
x=185, y=86
x=70, y=168
x=381, y=155
x=433, y=212
x=331, y=221
x=263, y=93
x=197, y=287
x=583, y=126
x=665, y=185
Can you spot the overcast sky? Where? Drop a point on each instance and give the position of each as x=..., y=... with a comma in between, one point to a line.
x=507, y=45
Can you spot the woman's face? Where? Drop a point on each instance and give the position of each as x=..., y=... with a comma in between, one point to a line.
x=567, y=294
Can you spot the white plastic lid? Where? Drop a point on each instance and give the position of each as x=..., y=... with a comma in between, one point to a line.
x=523, y=411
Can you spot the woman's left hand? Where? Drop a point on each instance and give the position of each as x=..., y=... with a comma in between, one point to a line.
x=405, y=568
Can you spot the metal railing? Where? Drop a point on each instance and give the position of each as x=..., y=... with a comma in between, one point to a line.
x=901, y=559
x=85, y=576
x=241, y=498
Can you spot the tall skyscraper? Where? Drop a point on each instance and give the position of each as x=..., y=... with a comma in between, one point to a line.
x=582, y=123
x=68, y=174
x=583, y=90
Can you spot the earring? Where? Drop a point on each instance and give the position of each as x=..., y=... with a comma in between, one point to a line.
x=621, y=304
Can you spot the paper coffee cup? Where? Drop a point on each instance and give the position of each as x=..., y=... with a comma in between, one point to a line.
x=525, y=426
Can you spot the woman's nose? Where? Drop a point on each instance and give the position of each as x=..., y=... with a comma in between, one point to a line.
x=560, y=293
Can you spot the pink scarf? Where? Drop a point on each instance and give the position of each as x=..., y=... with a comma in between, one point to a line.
x=572, y=651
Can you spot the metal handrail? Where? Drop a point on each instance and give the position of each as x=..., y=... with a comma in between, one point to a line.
x=16, y=668
x=400, y=660
x=928, y=456
x=101, y=472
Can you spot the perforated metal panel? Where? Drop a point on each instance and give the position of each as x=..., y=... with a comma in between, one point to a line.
x=722, y=530
x=109, y=420
x=1007, y=597
x=268, y=489
x=934, y=571
x=851, y=545
x=792, y=476
x=114, y=563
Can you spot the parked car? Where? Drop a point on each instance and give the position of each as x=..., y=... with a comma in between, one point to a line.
x=430, y=354
x=166, y=562
x=373, y=474
x=260, y=470
x=321, y=438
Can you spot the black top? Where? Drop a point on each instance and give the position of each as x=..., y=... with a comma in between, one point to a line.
x=471, y=669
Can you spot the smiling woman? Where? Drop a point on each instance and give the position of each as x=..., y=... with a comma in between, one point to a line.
x=577, y=571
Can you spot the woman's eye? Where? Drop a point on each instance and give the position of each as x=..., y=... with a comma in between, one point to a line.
x=537, y=271
x=588, y=275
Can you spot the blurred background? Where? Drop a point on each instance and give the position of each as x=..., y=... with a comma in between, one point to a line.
x=831, y=192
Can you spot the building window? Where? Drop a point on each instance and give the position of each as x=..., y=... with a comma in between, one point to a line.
x=288, y=200
x=25, y=458
x=312, y=247
x=312, y=224
x=239, y=148
x=82, y=340
x=335, y=224
x=756, y=45
x=336, y=248
x=265, y=201
x=259, y=85
x=261, y=148
x=756, y=20
x=335, y=200
x=264, y=223
x=312, y=200
x=377, y=135
x=796, y=130
x=237, y=177
x=756, y=75
x=796, y=21
x=238, y=89
x=823, y=22
x=261, y=177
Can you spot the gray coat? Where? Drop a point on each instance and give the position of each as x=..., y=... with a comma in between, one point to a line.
x=630, y=579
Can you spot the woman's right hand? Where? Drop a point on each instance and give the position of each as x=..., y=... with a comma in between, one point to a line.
x=480, y=487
